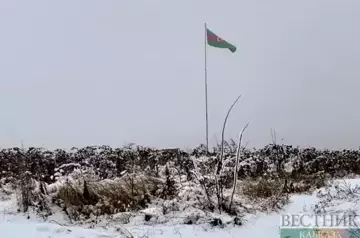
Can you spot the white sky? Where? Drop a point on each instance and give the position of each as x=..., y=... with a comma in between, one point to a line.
x=87, y=72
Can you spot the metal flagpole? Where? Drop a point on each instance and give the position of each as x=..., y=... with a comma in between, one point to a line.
x=206, y=94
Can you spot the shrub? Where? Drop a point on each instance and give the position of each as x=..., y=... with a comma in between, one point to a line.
x=169, y=190
x=117, y=181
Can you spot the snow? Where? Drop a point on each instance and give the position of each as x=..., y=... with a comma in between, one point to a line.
x=264, y=225
x=15, y=225
x=34, y=230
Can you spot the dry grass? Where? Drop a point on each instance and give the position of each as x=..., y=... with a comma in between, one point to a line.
x=273, y=194
x=108, y=196
x=265, y=194
x=265, y=187
x=307, y=184
x=261, y=188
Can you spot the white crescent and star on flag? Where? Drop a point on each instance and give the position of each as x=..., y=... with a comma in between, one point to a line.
x=219, y=39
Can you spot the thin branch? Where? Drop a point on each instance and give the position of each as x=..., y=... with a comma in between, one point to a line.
x=273, y=136
x=223, y=129
x=220, y=163
x=237, y=164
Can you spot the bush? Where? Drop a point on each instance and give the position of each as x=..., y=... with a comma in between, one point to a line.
x=109, y=163
x=169, y=190
x=123, y=179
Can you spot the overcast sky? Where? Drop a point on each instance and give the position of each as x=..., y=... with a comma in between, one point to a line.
x=90, y=72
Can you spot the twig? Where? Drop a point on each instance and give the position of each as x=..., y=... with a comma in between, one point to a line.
x=56, y=222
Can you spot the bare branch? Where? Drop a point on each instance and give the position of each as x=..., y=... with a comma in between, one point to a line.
x=219, y=166
x=223, y=130
x=273, y=136
x=237, y=164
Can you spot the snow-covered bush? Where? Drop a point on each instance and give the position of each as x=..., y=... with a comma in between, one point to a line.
x=97, y=180
x=107, y=163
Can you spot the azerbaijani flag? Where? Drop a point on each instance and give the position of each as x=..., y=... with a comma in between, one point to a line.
x=216, y=41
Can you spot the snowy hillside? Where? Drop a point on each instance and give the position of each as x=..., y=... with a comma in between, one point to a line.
x=261, y=225
x=13, y=226
x=144, y=192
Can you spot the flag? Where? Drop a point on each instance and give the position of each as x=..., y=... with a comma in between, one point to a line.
x=216, y=41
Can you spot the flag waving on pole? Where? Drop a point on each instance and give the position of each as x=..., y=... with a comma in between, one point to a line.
x=210, y=38
x=216, y=41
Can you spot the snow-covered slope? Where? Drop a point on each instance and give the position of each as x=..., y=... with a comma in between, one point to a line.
x=344, y=194
x=13, y=225
x=32, y=229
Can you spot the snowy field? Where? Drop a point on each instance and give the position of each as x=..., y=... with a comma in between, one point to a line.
x=13, y=225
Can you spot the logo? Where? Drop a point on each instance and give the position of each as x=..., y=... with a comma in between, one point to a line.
x=318, y=226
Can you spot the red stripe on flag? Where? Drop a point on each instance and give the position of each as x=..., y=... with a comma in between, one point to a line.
x=214, y=38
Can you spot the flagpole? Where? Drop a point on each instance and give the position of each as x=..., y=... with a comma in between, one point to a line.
x=206, y=94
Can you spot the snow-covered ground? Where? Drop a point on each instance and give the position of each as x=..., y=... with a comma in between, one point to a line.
x=13, y=225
